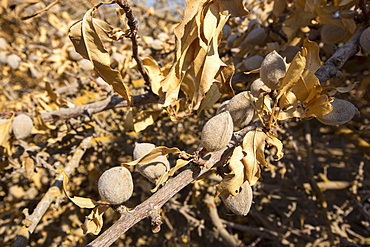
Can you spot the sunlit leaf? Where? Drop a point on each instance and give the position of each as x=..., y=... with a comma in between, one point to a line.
x=274, y=141
x=313, y=61
x=145, y=119
x=293, y=74
x=79, y=201
x=319, y=106
x=94, y=221
x=231, y=183
x=156, y=152
x=5, y=130
x=254, y=146
x=85, y=38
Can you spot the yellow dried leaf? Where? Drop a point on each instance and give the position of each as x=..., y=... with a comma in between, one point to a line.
x=198, y=38
x=79, y=201
x=83, y=202
x=179, y=164
x=145, y=119
x=94, y=222
x=293, y=74
x=307, y=87
x=5, y=130
x=156, y=152
x=85, y=38
x=155, y=74
x=319, y=106
x=253, y=145
x=313, y=61
x=231, y=183
x=274, y=141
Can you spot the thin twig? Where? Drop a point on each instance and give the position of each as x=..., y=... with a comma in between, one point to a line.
x=332, y=66
x=132, y=23
x=90, y=109
x=41, y=11
x=54, y=191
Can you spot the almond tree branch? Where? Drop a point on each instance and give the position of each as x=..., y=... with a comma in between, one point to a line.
x=333, y=65
x=54, y=191
x=132, y=23
x=172, y=187
x=89, y=109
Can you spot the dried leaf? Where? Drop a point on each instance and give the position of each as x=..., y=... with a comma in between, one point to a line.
x=145, y=119
x=307, y=87
x=5, y=130
x=319, y=106
x=79, y=201
x=84, y=36
x=197, y=38
x=94, y=221
x=156, y=152
x=254, y=146
x=155, y=74
x=293, y=74
x=231, y=183
x=274, y=141
x=313, y=61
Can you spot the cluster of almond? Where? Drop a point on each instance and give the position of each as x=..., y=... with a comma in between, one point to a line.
x=240, y=111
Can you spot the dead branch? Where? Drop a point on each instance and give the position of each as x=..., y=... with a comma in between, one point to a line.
x=172, y=187
x=332, y=66
x=132, y=23
x=90, y=109
x=213, y=213
x=54, y=191
x=41, y=11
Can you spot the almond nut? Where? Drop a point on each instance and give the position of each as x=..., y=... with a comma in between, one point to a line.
x=272, y=69
x=22, y=126
x=153, y=170
x=258, y=87
x=343, y=111
x=240, y=109
x=253, y=62
x=217, y=132
x=115, y=185
x=241, y=203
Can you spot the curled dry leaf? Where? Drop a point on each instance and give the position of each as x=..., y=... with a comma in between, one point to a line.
x=254, y=146
x=86, y=38
x=94, y=221
x=231, y=183
x=199, y=48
